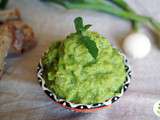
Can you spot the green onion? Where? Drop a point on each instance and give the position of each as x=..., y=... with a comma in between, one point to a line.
x=122, y=4
x=105, y=6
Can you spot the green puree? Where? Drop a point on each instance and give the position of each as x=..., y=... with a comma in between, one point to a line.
x=74, y=75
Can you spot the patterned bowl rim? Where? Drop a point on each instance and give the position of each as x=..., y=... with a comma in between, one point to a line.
x=84, y=107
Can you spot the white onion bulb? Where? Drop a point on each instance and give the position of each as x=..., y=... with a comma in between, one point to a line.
x=137, y=45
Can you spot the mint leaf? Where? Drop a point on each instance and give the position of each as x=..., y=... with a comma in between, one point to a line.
x=78, y=23
x=90, y=45
x=86, y=27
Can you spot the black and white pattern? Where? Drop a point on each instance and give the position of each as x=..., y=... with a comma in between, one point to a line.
x=83, y=106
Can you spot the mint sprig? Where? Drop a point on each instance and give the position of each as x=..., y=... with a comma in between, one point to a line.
x=86, y=40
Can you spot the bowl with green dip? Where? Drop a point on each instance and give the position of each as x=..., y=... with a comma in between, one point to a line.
x=83, y=73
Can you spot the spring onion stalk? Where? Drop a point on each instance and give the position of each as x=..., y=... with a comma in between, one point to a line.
x=123, y=5
x=136, y=44
x=105, y=6
x=120, y=9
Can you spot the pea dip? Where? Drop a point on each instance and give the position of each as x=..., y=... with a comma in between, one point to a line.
x=84, y=68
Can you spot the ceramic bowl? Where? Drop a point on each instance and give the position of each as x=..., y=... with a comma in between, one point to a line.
x=83, y=107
